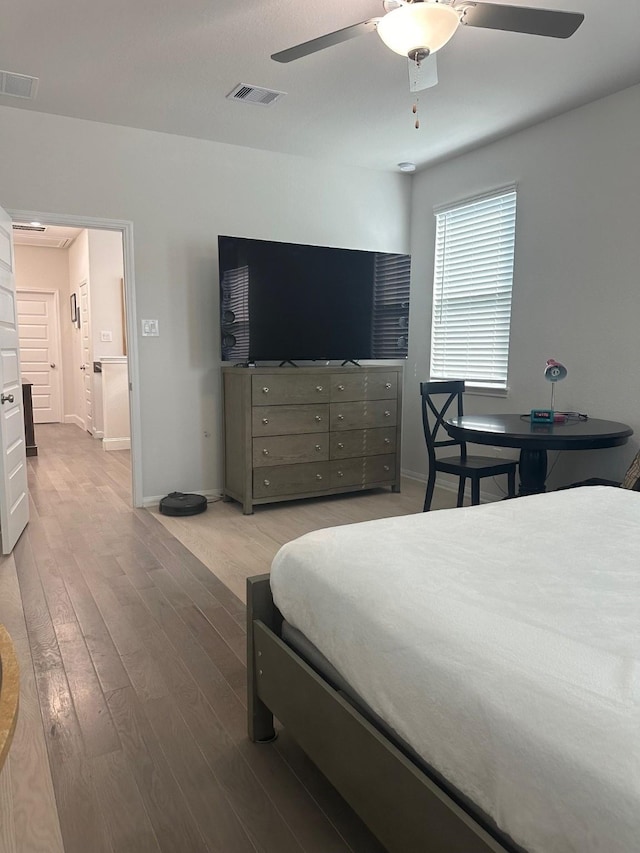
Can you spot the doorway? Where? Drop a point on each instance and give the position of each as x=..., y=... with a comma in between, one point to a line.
x=83, y=369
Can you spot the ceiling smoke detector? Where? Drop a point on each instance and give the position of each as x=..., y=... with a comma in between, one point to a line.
x=407, y=167
x=254, y=95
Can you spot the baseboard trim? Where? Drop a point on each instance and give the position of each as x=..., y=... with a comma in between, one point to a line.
x=116, y=444
x=74, y=419
x=98, y=433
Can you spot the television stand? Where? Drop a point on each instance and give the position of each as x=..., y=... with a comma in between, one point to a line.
x=350, y=361
x=287, y=361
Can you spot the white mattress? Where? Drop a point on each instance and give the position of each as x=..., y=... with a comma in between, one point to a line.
x=503, y=643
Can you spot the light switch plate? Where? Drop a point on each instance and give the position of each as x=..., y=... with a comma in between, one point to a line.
x=150, y=328
x=106, y=337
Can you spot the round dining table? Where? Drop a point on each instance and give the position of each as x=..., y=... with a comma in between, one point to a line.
x=535, y=439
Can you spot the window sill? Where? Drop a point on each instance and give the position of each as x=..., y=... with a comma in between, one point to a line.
x=480, y=391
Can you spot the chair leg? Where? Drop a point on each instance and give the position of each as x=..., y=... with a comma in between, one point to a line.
x=475, y=491
x=461, y=484
x=431, y=484
x=511, y=487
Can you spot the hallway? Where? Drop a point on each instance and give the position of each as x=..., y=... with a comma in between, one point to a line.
x=131, y=733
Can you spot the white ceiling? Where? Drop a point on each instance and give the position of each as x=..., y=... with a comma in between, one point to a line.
x=167, y=66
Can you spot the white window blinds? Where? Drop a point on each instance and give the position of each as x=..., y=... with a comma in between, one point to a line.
x=473, y=278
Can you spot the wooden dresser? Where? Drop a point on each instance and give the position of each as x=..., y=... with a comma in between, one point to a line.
x=297, y=432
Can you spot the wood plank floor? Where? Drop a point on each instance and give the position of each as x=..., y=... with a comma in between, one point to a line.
x=131, y=735
x=235, y=546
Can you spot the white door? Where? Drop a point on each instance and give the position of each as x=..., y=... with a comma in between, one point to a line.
x=14, y=499
x=38, y=326
x=87, y=364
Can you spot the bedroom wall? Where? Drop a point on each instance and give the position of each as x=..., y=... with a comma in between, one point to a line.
x=576, y=291
x=180, y=194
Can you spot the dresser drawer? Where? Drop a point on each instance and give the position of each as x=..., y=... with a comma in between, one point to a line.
x=291, y=479
x=361, y=385
x=380, y=469
x=362, y=442
x=373, y=413
x=347, y=472
x=289, y=449
x=277, y=390
x=286, y=420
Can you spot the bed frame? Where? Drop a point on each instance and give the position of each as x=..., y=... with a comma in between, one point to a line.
x=405, y=809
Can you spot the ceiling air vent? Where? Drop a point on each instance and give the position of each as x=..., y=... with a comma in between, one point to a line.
x=18, y=85
x=254, y=95
x=39, y=228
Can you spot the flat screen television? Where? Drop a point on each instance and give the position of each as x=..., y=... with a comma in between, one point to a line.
x=292, y=302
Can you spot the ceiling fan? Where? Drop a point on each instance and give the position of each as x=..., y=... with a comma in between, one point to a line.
x=417, y=29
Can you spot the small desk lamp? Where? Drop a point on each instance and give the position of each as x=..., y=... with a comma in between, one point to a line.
x=554, y=372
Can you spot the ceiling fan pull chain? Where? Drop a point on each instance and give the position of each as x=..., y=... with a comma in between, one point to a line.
x=415, y=112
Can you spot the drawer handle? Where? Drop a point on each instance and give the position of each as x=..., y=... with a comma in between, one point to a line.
x=386, y=467
x=267, y=482
x=387, y=385
x=340, y=387
x=318, y=447
x=340, y=446
x=387, y=413
x=387, y=441
x=265, y=452
x=340, y=474
x=318, y=418
x=265, y=390
x=318, y=476
x=340, y=417
x=318, y=387
x=265, y=421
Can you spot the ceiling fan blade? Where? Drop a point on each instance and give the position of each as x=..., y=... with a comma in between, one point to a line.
x=423, y=75
x=328, y=40
x=519, y=19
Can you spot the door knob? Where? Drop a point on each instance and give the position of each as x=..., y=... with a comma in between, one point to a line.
x=53, y=364
x=83, y=367
x=6, y=398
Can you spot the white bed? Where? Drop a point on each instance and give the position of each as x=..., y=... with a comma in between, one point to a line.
x=502, y=642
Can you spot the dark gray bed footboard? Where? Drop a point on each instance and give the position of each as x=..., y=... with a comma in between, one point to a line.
x=405, y=809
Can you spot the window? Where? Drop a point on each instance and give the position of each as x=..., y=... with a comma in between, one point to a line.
x=473, y=279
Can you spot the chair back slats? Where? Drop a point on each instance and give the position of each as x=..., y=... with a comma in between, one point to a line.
x=434, y=414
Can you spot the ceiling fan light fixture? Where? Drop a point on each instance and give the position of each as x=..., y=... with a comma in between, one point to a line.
x=416, y=27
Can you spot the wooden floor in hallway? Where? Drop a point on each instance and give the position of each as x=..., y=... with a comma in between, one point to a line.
x=131, y=734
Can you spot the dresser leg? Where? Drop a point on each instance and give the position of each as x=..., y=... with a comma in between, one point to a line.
x=247, y=508
x=396, y=489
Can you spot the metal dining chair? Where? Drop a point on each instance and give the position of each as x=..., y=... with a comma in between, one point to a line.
x=463, y=466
